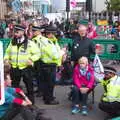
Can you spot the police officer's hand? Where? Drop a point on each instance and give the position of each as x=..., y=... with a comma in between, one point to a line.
x=6, y=62
x=30, y=62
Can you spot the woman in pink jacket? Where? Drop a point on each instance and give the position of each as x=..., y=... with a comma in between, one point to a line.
x=83, y=78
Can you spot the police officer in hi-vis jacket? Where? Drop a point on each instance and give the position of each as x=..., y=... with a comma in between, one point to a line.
x=21, y=55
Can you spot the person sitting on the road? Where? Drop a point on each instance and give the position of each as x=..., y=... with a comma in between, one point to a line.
x=110, y=100
x=9, y=110
x=16, y=102
x=83, y=78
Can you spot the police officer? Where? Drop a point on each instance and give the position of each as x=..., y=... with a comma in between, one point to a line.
x=47, y=62
x=38, y=39
x=21, y=54
x=50, y=34
x=110, y=100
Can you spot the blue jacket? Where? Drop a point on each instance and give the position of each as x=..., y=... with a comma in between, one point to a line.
x=9, y=98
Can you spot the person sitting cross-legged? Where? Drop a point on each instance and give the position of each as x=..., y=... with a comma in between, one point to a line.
x=83, y=78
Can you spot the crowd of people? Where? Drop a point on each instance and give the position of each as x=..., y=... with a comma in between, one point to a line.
x=34, y=52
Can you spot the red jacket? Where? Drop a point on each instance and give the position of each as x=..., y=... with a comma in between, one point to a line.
x=87, y=80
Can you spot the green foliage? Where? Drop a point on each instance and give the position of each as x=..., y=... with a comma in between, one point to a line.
x=113, y=5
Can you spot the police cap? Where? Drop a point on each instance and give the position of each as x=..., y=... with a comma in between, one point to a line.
x=108, y=69
x=36, y=28
x=50, y=29
x=19, y=27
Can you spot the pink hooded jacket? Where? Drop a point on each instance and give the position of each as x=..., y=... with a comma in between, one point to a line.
x=87, y=80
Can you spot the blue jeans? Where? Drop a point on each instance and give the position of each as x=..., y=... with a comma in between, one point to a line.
x=78, y=97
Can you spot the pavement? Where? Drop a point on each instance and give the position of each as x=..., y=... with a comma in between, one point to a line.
x=63, y=110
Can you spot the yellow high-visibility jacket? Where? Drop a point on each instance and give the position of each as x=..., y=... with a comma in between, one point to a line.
x=19, y=56
x=49, y=51
x=112, y=93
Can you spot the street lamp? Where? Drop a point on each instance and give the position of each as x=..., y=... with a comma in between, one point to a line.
x=89, y=8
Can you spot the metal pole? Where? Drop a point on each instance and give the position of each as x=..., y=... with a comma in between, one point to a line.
x=67, y=17
x=90, y=15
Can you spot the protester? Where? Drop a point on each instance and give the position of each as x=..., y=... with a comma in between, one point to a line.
x=117, y=33
x=83, y=78
x=91, y=31
x=16, y=102
x=2, y=32
x=82, y=46
x=29, y=31
x=13, y=104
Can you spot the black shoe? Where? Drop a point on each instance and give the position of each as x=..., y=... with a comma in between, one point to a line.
x=54, y=102
x=54, y=98
x=39, y=94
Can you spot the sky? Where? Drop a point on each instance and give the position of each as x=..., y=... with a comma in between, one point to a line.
x=98, y=5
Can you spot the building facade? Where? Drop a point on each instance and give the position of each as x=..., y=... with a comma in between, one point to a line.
x=3, y=9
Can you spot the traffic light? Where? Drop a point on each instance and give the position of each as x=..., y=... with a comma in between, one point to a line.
x=88, y=5
x=67, y=5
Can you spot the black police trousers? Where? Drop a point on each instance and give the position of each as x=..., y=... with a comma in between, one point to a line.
x=26, y=75
x=112, y=108
x=47, y=80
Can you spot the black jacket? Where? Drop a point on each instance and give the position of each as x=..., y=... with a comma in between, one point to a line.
x=82, y=47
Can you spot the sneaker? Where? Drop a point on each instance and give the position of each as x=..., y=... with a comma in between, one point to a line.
x=75, y=110
x=84, y=110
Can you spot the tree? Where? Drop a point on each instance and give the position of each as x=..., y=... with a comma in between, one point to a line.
x=113, y=5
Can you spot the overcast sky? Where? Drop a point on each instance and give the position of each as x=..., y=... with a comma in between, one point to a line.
x=98, y=5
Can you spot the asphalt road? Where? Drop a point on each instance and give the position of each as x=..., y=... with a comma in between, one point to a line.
x=63, y=110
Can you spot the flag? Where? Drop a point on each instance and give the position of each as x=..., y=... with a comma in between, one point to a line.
x=73, y=3
x=16, y=5
x=98, y=69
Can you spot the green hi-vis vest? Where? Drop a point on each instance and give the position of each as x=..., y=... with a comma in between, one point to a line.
x=113, y=90
x=19, y=56
x=50, y=52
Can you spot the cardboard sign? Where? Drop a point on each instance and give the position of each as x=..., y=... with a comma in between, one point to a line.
x=98, y=69
x=2, y=94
